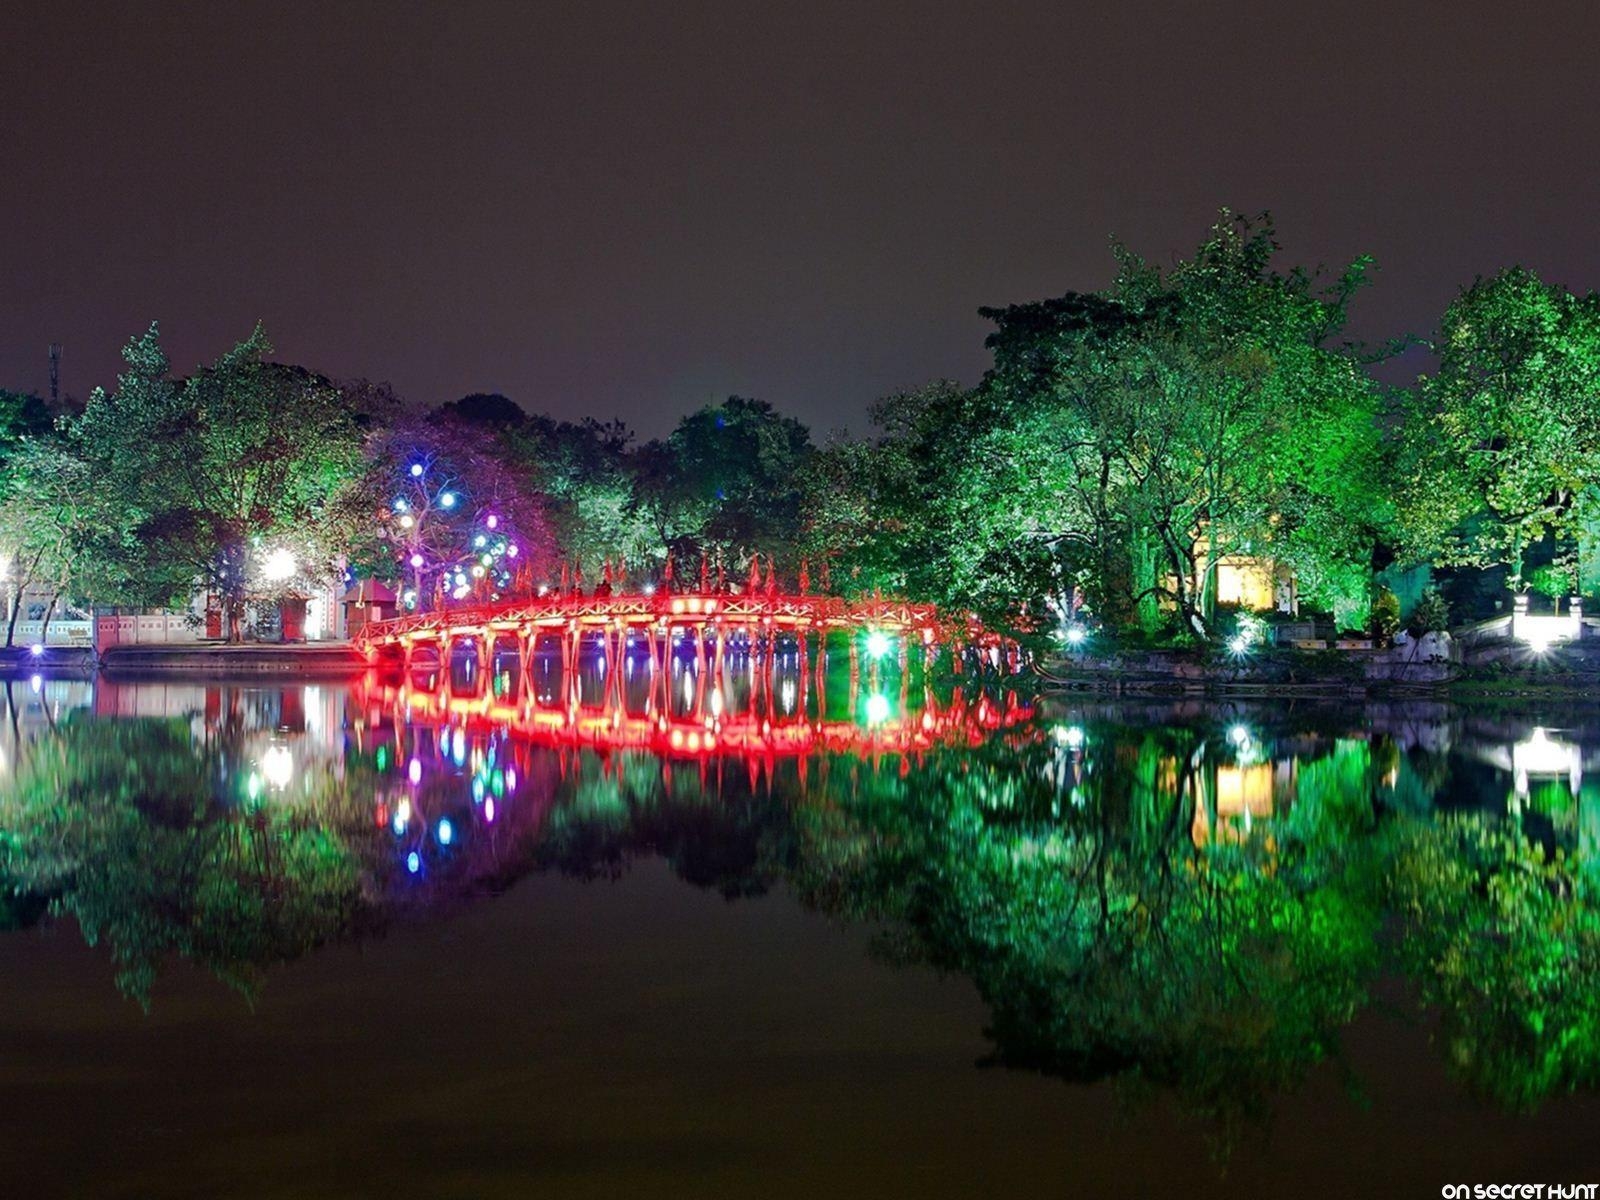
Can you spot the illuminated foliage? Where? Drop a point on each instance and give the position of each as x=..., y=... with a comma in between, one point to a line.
x=207, y=469
x=1503, y=440
x=450, y=510
x=1125, y=441
x=726, y=483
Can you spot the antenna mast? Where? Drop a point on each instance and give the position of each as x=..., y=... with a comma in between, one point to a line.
x=55, y=373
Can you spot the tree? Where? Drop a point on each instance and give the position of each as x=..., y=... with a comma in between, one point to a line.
x=449, y=509
x=587, y=470
x=216, y=470
x=727, y=482
x=1124, y=443
x=489, y=409
x=1502, y=442
x=55, y=526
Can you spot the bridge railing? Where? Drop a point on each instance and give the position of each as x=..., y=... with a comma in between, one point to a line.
x=753, y=609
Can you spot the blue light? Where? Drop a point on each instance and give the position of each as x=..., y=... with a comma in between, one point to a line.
x=37, y=650
x=400, y=505
x=447, y=832
x=447, y=500
x=416, y=470
x=413, y=862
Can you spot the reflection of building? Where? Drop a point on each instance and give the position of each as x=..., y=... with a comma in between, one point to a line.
x=1537, y=757
x=1541, y=756
x=273, y=737
x=1243, y=793
x=1232, y=798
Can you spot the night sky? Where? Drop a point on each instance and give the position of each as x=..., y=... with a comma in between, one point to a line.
x=615, y=210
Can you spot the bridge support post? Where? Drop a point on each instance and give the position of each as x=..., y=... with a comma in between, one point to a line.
x=571, y=684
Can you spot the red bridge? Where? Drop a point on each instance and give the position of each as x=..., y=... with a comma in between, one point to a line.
x=708, y=619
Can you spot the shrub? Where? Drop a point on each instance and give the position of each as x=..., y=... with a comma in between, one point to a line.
x=1431, y=615
x=1385, y=615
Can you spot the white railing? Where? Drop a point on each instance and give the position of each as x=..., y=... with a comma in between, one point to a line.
x=62, y=632
x=145, y=629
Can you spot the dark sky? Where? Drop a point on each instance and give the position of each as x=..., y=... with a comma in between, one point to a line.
x=632, y=211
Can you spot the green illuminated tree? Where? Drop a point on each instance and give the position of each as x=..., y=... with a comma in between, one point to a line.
x=1125, y=442
x=1502, y=444
x=210, y=469
x=56, y=527
x=586, y=469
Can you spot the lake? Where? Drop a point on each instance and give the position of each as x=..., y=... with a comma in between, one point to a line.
x=805, y=935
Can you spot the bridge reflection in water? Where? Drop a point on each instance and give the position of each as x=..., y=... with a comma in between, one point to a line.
x=442, y=757
x=742, y=694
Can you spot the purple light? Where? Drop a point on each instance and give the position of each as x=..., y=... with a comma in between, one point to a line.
x=511, y=550
x=492, y=521
x=37, y=650
x=416, y=560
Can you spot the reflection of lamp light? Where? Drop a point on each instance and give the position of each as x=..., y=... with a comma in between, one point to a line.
x=1541, y=754
x=277, y=766
x=1070, y=736
x=877, y=709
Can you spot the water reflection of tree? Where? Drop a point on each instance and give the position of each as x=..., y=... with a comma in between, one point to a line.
x=1118, y=917
x=1104, y=940
x=1502, y=938
x=713, y=827
x=128, y=827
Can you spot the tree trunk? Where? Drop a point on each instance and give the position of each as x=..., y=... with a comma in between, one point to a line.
x=23, y=580
x=44, y=627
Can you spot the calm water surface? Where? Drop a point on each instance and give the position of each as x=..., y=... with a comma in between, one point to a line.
x=794, y=935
